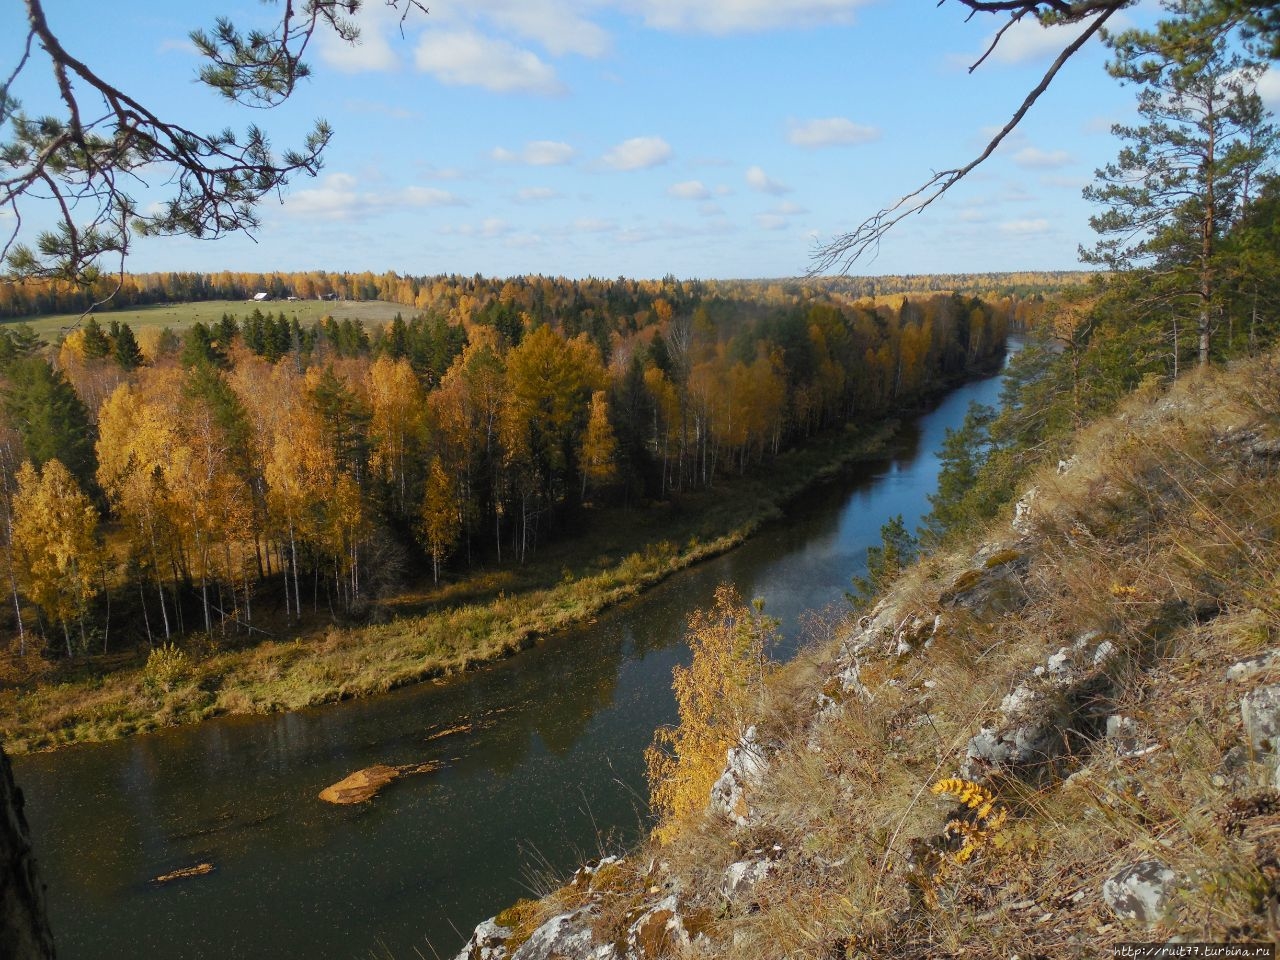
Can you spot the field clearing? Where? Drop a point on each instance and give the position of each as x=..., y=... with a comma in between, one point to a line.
x=181, y=316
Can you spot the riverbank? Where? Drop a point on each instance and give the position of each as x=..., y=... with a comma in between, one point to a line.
x=578, y=580
x=1053, y=738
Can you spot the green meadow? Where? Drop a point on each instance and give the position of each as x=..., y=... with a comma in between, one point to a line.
x=181, y=316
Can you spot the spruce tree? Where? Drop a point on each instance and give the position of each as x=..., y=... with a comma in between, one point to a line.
x=49, y=416
x=127, y=352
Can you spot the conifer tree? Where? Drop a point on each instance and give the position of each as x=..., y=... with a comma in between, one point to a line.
x=125, y=348
x=1184, y=175
x=49, y=416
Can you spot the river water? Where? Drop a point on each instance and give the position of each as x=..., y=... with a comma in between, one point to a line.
x=549, y=773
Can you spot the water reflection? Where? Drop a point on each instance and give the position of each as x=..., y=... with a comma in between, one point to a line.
x=548, y=756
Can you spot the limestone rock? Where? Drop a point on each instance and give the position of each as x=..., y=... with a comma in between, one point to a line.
x=660, y=931
x=565, y=937
x=1260, y=710
x=1140, y=891
x=1034, y=717
x=741, y=876
x=1022, y=512
x=747, y=765
x=1251, y=667
x=1125, y=737
x=988, y=592
x=488, y=942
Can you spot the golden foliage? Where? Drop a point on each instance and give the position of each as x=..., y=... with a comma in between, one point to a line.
x=55, y=534
x=986, y=820
x=716, y=695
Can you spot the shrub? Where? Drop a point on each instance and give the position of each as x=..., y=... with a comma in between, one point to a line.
x=166, y=667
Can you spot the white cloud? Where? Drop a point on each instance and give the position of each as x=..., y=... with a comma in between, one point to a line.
x=1024, y=228
x=771, y=221
x=537, y=153
x=466, y=58
x=689, y=190
x=638, y=153
x=757, y=179
x=594, y=225
x=338, y=197
x=710, y=209
x=829, y=132
x=1033, y=158
x=429, y=197
x=972, y=215
x=372, y=51
x=557, y=25
x=733, y=16
x=1027, y=40
x=788, y=209
x=1269, y=89
x=535, y=194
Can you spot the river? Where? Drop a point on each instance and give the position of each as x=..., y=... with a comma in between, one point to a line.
x=547, y=771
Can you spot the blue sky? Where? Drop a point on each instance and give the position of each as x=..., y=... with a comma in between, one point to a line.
x=701, y=138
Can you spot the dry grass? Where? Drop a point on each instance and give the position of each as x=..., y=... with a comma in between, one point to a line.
x=1163, y=540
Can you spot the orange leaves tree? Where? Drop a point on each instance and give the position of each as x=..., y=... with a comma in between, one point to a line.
x=550, y=381
x=717, y=696
x=441, y=523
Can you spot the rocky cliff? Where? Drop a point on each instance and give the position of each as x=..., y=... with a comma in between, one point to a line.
x=1057, y=737
x=24, y=929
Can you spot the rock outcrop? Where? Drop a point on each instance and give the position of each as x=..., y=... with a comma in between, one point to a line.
x=747, y=765
x=24, y=925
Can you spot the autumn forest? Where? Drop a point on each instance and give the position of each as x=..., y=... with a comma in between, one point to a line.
x=184, y=477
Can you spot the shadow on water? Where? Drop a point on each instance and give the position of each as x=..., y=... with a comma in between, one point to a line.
x=542, y=757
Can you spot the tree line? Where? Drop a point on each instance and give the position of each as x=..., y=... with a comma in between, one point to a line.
x=541, y=296
x=188, y=479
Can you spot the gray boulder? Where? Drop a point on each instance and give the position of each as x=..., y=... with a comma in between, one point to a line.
x=1260, y=711
x=1140, y=891
x=1251, y=667
x=659, y=931
x=747, y=765
x=488, y=942
x=566, y=937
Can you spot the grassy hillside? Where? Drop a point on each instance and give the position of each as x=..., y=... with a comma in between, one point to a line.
x=1053, y=737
